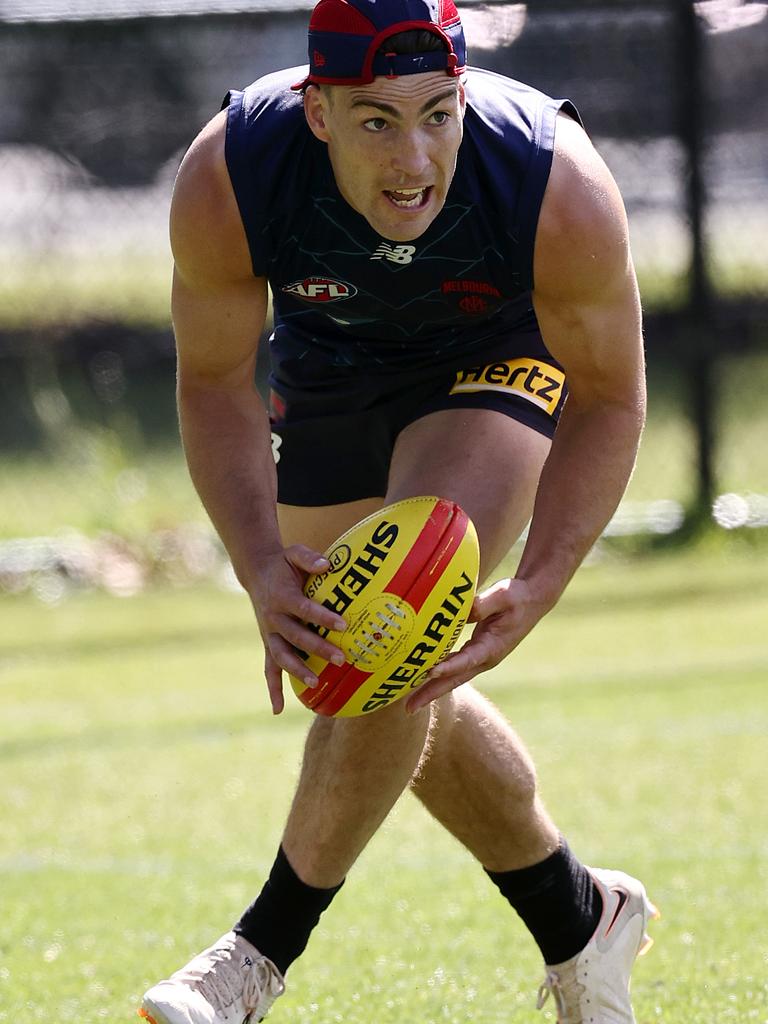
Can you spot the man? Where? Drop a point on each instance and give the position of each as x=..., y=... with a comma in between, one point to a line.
x=422, y=226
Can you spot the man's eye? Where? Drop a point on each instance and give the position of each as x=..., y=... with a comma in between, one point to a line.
x=439, y=117
x=376, y=124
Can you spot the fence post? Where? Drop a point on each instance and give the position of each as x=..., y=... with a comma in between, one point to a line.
x=699, y=347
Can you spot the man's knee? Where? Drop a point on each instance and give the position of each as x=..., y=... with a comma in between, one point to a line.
x=466, y=733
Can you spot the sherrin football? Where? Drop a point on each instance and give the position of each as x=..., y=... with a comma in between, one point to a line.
x=403, y=579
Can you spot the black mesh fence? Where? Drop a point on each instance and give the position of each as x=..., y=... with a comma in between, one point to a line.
x=97, y=104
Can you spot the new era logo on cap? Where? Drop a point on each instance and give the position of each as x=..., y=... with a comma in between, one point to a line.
x=348, y=35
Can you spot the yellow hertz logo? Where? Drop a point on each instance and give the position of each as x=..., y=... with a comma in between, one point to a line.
x=540, y=383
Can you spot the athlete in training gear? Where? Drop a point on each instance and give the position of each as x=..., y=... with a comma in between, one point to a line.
x=383, y=349
x=394, y=332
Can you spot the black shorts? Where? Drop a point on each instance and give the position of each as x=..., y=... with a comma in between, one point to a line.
x=333, y=432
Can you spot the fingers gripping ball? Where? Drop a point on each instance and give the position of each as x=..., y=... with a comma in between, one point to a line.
x=403, y=579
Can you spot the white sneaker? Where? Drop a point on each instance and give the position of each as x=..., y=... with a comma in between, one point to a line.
x=229, y=983
x=593, y=986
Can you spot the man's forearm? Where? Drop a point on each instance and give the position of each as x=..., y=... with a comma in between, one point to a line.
x=227, y=445
x=582, y=482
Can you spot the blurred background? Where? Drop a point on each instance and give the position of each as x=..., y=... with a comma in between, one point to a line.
x=98, y=101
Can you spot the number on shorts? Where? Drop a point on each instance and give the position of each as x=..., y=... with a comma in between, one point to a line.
x=276, y=442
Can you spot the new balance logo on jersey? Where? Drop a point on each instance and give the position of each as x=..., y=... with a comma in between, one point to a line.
x=395, y=253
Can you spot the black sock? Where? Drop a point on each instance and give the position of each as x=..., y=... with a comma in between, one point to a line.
x=558, y=901
x=281, y=918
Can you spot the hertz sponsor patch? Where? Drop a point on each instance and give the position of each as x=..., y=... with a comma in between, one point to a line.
x=533, y=379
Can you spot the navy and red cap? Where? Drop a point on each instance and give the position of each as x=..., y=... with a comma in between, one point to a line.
x=345, y=37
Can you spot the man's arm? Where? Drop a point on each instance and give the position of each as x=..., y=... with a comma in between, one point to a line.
x=588, y=309
x=219, y=309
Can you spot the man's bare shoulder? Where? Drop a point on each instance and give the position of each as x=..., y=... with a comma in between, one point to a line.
x=207, y=235
x=582, y=236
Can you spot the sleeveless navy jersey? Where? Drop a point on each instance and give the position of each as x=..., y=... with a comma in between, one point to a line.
x=348, y=297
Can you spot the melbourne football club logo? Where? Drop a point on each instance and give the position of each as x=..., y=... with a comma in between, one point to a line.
x=472, y=297
x=402, y=254
x=320, y=289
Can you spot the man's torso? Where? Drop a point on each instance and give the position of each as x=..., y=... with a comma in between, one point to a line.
x=353, y=298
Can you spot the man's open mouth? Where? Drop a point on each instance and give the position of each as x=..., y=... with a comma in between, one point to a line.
x=409, y=198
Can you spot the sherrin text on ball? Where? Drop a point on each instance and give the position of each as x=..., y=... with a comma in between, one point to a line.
x=404, y=580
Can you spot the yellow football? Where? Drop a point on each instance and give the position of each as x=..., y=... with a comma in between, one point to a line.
x=404, y=580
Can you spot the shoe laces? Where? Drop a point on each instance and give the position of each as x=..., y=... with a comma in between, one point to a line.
x=224, y=983
x=266, y=986
x=566, y=991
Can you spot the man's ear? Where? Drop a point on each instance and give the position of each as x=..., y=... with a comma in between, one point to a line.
x=315, y=105
x=462, y=95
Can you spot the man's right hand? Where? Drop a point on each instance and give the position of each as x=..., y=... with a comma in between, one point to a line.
x=219, y=315
x=285, y=614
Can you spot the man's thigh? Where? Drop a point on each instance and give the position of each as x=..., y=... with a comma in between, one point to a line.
x=319, y=526
x=484, y=460
x=487, y=462
x=334, y=441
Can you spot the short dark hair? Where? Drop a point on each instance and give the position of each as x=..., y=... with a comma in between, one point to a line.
x=414, y=41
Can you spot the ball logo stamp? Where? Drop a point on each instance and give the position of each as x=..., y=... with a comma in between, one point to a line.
x=339, y=557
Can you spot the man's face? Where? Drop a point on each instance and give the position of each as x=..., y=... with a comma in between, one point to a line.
x=393, y=146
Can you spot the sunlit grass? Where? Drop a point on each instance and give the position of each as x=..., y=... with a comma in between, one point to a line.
x=131, y=287
x=97, y=486
x=145, y=784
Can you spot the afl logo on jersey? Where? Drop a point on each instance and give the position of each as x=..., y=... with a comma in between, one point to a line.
x=320, y=289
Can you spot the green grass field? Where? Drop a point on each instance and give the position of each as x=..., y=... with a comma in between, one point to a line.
x=144, y=785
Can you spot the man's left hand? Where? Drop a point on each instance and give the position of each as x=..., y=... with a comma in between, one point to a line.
x=505, y=614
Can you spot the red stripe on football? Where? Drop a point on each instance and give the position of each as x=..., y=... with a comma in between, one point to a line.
x=403, y=579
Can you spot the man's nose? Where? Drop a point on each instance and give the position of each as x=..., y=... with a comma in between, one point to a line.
x=412, y=158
